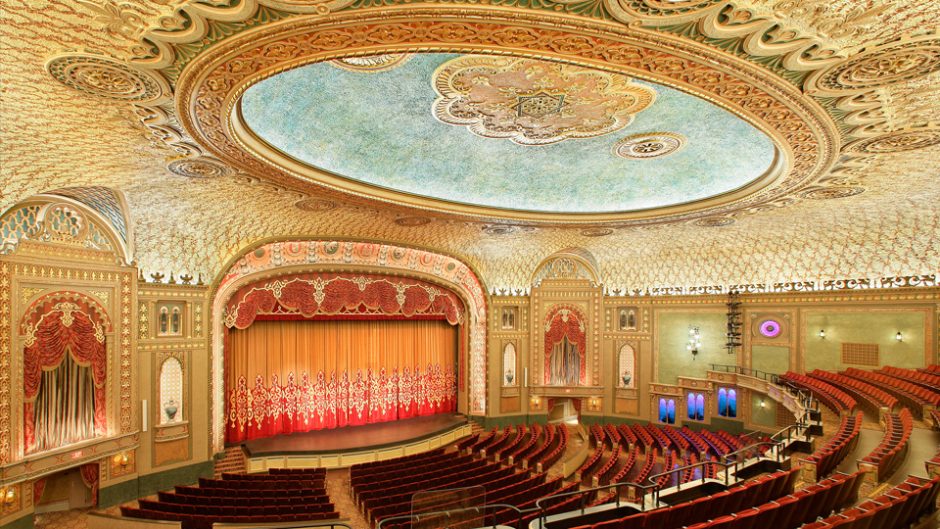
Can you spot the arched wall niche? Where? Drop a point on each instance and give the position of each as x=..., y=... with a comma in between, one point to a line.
x=172, y=396
x=284, y=257
x=75, y=318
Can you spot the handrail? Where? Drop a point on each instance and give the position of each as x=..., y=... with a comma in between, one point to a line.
x=449, y=512
x=805, y=398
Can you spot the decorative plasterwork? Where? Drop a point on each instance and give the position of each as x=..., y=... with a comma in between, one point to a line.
x=108, y=78
x=372, y=63
x=535, y=102
x=892, y=228
x=67, y=222
x=341, y=294
x=312, y=255
x=209, y=88
x=878, y=66
x=649, y=145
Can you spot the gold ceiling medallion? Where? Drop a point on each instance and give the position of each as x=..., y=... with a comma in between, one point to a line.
x=105, y=77
x=897, y=141
x=535, y=102
x=315, y=205
x=506, y=229
x=372, y=63
x=887, y=64
x=828, y=193
x=596, y=232
x=411, y=222
x=714, y=222
x=649, y=145
x=200, y=167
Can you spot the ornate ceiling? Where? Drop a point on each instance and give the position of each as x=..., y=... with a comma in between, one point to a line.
x=508, y=133
x=140, y=98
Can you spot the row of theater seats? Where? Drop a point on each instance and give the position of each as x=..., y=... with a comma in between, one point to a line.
x=896, y=509
x=870, y=397
x=792, y=511
x=911, y=395
x=742, y=496
x=386, y=489
x=892, y=449
x=832, y=397
x=827, y=458
x=274, y=497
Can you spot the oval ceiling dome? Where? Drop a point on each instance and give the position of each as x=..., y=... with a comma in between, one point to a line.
x=505, y=133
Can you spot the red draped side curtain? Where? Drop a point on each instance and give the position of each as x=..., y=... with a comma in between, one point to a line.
x=65, y=330
x=289, y=376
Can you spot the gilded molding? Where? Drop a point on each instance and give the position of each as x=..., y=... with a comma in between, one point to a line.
x=209, y=88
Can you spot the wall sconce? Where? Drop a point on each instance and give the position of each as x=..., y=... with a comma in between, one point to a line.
x=899, y=337
x=763, y=404
x=695, y=341
x=536, y=402
x=594, y=404
x=822, y=334
x=121, y=459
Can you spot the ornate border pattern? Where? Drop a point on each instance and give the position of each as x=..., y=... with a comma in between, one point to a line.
x=209, y=89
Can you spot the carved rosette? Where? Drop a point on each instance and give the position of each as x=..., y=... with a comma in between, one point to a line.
x=890, y=63
x=411, y=222
x=897, y=141
x=199, y=167
x=714, y=222
x=596, y=232
x=108, y=78
x=315, y=205
x=649, y=145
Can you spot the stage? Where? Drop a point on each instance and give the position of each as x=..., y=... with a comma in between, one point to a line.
x=343, y=447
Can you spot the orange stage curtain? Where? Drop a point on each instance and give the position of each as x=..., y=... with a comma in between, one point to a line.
x=288, y=376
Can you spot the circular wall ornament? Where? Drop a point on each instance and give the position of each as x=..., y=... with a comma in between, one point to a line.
x=596, y=232
x=106, y=77
x=200, y=167
x=883, y=65
x=770, y=328
x=372, y=63
x=897, y=141
x=315, y=205
x=714, y=222
x=649, y=145
x=411, y=222
x=828, y=193
x=499, y=229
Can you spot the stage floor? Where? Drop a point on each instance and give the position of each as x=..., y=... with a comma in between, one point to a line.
x=352, y=438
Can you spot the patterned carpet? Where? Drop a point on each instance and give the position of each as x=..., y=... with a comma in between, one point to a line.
x=73, y=519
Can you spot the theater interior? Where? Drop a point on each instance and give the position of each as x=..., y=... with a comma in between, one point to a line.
x=419, y=264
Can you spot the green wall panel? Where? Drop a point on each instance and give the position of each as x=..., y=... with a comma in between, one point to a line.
x=152, y=483
x=25, y=522
x=673, y=336
x=873, y=327
x=770, y=358
x=766, y=416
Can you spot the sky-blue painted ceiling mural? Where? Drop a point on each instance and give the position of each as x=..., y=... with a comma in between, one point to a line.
x=507, y=132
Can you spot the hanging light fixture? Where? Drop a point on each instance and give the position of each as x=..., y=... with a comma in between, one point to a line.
x=695, y=341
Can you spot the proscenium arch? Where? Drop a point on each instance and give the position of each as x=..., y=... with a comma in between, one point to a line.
x=210, y=86
x=334, y=255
